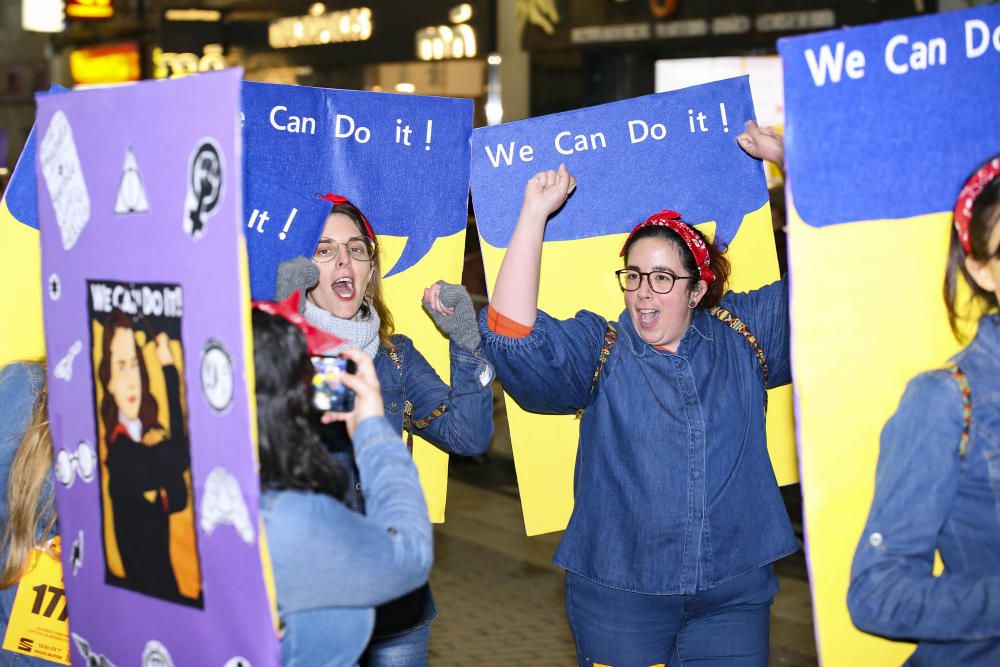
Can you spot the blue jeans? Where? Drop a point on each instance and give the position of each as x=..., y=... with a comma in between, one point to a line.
x=406, y=650
x=725, y=625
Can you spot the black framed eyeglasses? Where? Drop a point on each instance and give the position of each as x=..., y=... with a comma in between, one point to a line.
x=660, y=282
x=358, y=249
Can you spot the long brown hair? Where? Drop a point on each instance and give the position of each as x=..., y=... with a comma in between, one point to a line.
x=25, y=501
x=109, y=409
x=716, y=257
x=374, y=291
x=985, y=216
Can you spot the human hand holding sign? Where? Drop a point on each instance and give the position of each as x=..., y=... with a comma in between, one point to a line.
x=763, y=143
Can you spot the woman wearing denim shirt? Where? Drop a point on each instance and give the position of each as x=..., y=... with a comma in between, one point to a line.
x=677, y=514
x=331, y=564
x=27, y=507
x=343, y=284
x=937, y=487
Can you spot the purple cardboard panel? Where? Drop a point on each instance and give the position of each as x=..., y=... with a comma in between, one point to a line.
x=146, y=326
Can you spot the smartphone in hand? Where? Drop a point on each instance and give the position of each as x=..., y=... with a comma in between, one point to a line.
x=329, y=393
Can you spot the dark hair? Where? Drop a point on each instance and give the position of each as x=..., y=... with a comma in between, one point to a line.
x=374, y=290
x=148, y=408
x=716, y=259
x=291, y=453
x=985, y=215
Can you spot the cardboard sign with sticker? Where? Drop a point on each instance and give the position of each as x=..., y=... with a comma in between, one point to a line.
x=147, y=323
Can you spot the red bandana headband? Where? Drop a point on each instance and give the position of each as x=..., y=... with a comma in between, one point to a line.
x=967, y=199
x=336, y=200
x=672, y=220
x=318, y=342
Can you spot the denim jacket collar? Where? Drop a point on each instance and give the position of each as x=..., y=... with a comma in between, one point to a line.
x=700, y=325
x=988, y=336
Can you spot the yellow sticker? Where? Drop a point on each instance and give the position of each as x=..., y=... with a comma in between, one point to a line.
x=38, y=623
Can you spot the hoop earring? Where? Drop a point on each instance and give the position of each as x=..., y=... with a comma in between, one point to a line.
x=692, y=304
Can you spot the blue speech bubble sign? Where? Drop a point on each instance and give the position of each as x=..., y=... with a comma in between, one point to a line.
x=279, y=224
x=402, y=159
x=901, y=103
x=674, y=150
x=20, y=194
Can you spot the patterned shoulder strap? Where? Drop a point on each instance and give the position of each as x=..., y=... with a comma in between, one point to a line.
x=409, y=423
x=610, y=337
x=737, y=325
x=963, y=385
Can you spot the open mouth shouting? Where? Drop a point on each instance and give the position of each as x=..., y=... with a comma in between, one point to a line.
x=648, y=317
x=344, y=288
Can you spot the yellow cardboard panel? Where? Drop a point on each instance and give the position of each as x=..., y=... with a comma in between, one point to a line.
x=865, y=321
x=403, y=293
x=21, y=335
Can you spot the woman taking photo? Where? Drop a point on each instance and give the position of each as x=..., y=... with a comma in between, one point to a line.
x=342, y=282
x=677, y=514
x=327, y=592
x=937, y=485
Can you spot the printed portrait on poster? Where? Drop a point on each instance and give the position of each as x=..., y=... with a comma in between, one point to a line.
x=147, y=503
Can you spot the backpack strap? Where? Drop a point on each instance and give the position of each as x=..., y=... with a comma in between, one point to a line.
x=737, y=325
x=610, y=337
x=966, y=390
x=409, y=423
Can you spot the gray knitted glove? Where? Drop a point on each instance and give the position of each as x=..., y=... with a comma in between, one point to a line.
x=301, y=274
x=461, y=326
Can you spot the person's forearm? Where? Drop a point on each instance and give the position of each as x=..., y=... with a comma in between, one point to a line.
x=515, y=293
x=899, y=599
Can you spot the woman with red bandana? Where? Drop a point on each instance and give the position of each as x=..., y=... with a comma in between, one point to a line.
x=677, y=516
x=937, y=485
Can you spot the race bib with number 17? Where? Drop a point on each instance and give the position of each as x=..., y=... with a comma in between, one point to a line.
x=38, y=623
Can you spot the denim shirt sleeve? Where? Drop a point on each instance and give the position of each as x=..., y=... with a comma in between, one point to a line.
x=765, y=312
x=467, y=426
x=325, y=555
x=893, y=591
x=551, y=369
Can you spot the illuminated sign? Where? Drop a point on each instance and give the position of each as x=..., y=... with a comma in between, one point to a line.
x=445, y=42
x=173, y=65
x=113, y=63
x=347, y=25
x=42, y=16
x=89, y=9
x=207, y=15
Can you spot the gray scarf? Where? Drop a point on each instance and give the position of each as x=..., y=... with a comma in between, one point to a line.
x=361, y=332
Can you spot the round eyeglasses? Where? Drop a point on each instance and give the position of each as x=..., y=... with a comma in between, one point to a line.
x=660, y=282
x=358, y=249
